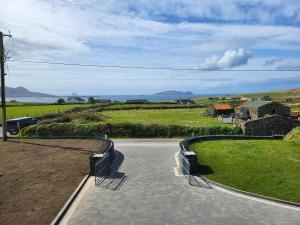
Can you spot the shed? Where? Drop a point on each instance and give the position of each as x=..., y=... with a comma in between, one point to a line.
x=258, y=108
x=221, y=109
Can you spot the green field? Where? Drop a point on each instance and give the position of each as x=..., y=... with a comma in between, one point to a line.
x=125, y=106
x=266, y=167
x=183, y=117
x=35, y=110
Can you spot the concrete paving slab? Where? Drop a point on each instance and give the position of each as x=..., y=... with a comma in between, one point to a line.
x=153, y=194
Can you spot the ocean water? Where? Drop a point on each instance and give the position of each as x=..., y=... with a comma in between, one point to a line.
x=120, y=98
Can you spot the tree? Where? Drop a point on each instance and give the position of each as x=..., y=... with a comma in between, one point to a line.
x=61, y=101
x=91, y=100
x=266, y=98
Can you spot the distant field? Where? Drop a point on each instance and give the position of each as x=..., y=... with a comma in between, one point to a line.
x=36, y=110
x=266, y=167
x=150, y=105
x=184, y=117
x=295, y=108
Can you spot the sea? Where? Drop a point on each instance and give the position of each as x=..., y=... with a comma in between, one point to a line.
x=119, y=98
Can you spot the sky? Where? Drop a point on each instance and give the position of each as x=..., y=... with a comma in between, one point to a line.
x=220, y=34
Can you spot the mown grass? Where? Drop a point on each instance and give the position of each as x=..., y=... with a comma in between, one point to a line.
x=183, y=117
x=266, y=167
x=36, y=110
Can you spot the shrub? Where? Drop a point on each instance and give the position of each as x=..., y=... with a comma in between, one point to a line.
x=293, y=136
x=59, y=118
x=87, y=117
x=61, y=101
x=91, y=100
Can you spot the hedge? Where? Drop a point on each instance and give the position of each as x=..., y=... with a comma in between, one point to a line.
x=123, y=130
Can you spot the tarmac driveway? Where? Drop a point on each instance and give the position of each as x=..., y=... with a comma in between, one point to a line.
x=152, y=194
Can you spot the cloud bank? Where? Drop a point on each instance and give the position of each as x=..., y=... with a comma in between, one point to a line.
x=230, y=59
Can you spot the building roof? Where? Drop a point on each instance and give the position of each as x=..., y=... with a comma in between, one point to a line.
x=222, y=106
x=256, y=103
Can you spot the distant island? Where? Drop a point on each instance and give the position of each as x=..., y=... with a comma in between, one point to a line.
x=23, y=92
x=173, y=92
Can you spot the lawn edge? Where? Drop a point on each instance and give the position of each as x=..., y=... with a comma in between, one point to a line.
x=59, y=217
x=185, y=146
x=252, y=194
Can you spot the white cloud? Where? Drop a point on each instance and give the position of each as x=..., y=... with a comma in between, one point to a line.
x=230, y=59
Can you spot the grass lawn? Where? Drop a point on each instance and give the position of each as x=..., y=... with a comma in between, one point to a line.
x=184, y=117
x=266, y=167
x=36, y=110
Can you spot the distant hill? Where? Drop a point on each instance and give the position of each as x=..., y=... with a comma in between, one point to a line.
x=23, y=92
x=173, y=92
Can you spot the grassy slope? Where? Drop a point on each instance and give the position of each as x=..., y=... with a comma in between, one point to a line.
x=270, y=168
x=185, y=117
x=279, y=96
x=36, y=110
x=295, y=108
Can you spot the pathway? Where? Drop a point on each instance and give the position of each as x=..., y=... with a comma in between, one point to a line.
x=152, y=194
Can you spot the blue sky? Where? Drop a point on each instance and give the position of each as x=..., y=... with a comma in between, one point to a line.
x=221, y=34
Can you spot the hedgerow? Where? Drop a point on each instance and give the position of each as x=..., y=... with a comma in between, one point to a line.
x=123, y=130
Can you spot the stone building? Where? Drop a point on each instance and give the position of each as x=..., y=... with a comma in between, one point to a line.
x=257, y=109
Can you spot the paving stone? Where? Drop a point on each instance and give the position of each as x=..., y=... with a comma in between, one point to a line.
x=152, y=194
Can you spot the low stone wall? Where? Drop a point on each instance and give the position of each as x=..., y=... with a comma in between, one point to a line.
x=273, y=125
x=192, y=158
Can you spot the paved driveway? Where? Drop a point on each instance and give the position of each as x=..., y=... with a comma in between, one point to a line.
x=152, y=194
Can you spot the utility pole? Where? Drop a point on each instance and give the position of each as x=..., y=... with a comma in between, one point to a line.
x=2, y=62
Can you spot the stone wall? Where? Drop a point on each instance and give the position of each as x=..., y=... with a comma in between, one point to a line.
x=273, y=108
x=272, y=125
